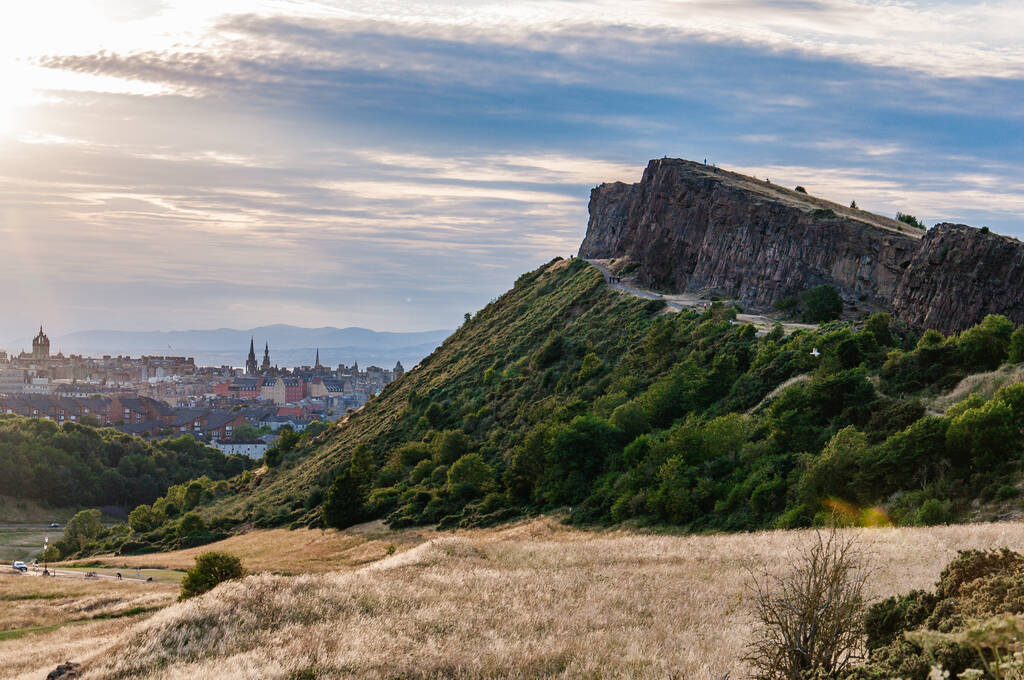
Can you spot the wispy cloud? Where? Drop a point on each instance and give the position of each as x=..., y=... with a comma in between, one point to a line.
x=396, y=164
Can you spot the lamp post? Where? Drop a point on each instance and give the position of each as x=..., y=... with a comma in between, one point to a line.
x=46, y=546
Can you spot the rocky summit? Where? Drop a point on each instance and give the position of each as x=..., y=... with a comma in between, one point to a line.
x=697, y=228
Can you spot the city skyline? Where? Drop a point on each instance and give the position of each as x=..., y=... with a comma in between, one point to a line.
x=395, y=165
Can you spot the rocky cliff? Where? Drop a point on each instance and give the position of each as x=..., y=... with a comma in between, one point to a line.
x=697, y=228
x=960, y=274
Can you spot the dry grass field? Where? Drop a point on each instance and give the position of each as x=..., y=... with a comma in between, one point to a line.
x=44, y=621
x=534, y=599
x=284, y=551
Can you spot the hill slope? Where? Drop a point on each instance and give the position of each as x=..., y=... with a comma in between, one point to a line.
x=567, y=393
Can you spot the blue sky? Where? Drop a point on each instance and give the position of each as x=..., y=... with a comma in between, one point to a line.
x=187, y=164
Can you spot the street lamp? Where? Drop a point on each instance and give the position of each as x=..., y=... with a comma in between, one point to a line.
x=46, y=546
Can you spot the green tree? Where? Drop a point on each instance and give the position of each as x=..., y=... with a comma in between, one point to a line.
x=984, y=437
x=210, y=569
x=245, y=432
x=985, y=344
x=191, y=524
x=1015, y=352
x=144, y=518
x=346, y=501
x=821, y=303
x=879, y=326
x=83, y=528
x=471, y=470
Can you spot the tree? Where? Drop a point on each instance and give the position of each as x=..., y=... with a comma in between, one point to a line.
x=811, y=618
x=210, y=569
x=83, y=528
x=191, y=524
x=906, y=218
x=879, y=326
x=345, y=502
x=246, y=432
x=471, y=471
x=822, y=303
x=144, y=518
x=1015, y=352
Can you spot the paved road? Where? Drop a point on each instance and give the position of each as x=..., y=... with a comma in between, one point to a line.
x=679, y=301
x=128, y=575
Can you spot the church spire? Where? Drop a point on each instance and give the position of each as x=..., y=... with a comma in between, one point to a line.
x=266, y=358
x=317, y=364
x=250, y=362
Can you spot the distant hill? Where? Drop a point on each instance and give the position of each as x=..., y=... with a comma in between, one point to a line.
x=289, y=345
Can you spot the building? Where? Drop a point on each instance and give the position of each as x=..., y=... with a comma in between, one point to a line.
x=41, y=346
x=254, y=448
x=265, y=367
x=250, y=362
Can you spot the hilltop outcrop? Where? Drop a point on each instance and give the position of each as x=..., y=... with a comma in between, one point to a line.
x=960, y=274
x=696, y=228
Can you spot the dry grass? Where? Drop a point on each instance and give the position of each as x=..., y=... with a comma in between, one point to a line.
x=983, y=384
x=531, y=600
x=45, y=621
x=285, y=551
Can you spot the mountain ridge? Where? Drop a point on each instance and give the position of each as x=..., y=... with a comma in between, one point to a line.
x=695, y=228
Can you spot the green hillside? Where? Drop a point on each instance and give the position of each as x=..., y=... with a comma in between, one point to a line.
x=566, y=394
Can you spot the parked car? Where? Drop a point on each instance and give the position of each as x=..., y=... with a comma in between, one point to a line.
x=20, y=566
x=54, y=525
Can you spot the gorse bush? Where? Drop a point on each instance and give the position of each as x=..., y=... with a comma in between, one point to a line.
x=210, y=569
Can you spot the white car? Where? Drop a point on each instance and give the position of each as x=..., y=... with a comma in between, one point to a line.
x=20, y=566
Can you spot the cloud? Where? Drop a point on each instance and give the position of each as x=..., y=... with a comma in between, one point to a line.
x=355, y=155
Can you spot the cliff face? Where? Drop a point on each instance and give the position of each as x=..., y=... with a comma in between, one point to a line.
x=959, y=275
x=700, y=229
x=697, y=228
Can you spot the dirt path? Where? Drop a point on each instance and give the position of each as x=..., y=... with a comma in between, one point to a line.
x=676, y=302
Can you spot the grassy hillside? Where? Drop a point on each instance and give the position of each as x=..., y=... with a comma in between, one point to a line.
x=566, y=394
x=526, y=600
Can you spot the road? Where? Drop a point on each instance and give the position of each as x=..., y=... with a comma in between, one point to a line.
x=676, y=302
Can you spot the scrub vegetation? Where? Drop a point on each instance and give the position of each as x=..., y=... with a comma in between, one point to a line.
x=564, y=394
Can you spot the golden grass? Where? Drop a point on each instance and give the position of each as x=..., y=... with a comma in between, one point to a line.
x=287, y=551
x=530, y=600
x=52, y=620
x=984, y=385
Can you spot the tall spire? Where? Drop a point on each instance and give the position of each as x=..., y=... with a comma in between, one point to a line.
x=250, y=362
x=266, y=358
x=317, y=364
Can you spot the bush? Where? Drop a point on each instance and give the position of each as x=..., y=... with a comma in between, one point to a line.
x=800, y=189
x=209, y=570
x=932, y=512
x=910, y=219
x=822, y=303
x=810, y=620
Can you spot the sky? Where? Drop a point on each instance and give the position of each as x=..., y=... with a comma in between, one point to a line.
x=230, y=163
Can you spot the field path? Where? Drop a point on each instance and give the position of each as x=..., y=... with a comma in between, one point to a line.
x=676, y=302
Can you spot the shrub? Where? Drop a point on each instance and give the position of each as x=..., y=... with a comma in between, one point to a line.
x=800, y=189
x=823, y=213
x=932, y=512
x=209, y=570
x=821, y=303
x=910, y=219
x=191, y=524
x=345, y=501
x=810, y=619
